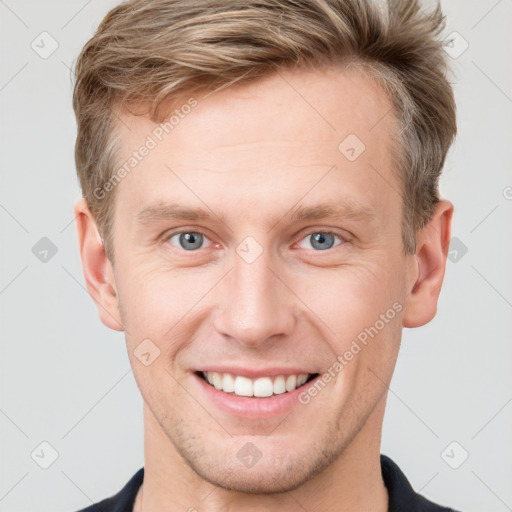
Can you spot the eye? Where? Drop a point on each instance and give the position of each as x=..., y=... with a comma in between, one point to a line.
x=188, y=240
x=320, y=240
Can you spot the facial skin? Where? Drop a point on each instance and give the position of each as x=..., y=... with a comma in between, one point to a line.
x=250, y=155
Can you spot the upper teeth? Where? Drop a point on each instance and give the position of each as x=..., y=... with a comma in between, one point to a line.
x=261, y=387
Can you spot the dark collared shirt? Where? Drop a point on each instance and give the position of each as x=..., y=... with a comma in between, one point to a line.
x=402, y=497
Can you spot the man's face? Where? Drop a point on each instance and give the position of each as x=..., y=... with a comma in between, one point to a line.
x=254, y=289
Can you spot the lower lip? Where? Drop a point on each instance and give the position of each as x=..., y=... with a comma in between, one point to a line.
x=253, y=407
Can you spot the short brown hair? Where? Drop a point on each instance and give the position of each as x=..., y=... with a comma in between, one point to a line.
x=149, y=52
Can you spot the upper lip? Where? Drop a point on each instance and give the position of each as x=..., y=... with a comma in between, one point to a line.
x=254, y=373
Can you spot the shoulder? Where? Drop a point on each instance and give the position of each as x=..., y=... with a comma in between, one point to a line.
x=402, y=497
x=122, y=501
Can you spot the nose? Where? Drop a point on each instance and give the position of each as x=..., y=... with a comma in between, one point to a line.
x=255, y=306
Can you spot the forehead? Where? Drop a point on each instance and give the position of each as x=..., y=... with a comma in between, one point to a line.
x=275, y=137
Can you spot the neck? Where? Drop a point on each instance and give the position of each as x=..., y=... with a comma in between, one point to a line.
x=353, y=482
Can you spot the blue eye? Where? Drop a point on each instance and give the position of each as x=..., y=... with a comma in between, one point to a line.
x=188, y=240
x=321, y=240
x=318, y=240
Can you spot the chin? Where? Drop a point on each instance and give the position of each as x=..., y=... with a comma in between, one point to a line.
x=275, y=473
x=258, y=481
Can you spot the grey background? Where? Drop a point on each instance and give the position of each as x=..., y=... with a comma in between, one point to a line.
x=66, y=379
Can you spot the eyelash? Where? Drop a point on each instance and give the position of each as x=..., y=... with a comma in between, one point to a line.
x=296, y=240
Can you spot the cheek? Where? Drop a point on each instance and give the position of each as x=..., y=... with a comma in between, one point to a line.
x=361, y=307
x=343, y=301
x=154, y=300
x=351, y=298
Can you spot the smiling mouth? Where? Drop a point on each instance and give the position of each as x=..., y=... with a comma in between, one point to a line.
x=261, y=387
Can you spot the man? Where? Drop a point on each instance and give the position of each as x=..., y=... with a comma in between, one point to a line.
x=261, y=217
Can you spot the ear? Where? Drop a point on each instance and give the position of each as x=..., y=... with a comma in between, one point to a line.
x=432, y=246
x=98, y=272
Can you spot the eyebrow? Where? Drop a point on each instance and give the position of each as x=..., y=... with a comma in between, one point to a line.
x=164, y=211
x=349, y=209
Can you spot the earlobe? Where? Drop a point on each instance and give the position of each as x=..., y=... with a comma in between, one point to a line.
x=432, y=250
x=98, y=273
